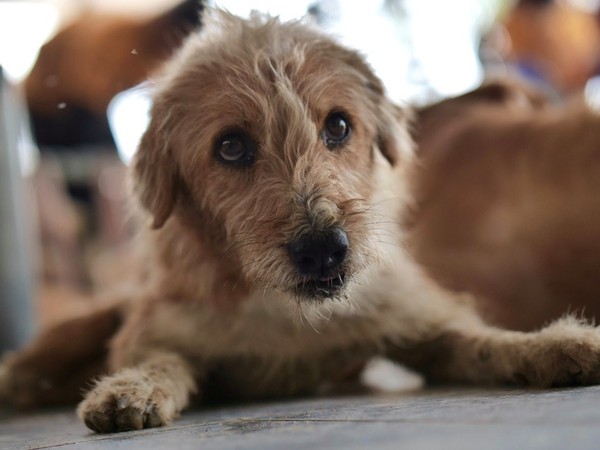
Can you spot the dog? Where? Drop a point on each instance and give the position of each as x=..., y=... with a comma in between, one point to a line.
x=273, y=178
x=89, y=61
x=506, y=205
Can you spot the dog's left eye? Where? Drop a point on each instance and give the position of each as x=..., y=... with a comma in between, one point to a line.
x=235, y=148
x=336, y=130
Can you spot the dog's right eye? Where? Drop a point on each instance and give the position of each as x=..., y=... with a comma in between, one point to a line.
x=336, y=130
x=235, y=149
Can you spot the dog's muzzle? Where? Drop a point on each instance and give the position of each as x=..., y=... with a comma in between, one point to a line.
x=319, y=257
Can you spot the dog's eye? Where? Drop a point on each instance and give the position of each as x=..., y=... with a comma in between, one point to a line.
x=235, y=148
x=336, y=130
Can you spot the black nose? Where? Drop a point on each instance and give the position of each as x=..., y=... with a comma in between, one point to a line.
x=319, y=254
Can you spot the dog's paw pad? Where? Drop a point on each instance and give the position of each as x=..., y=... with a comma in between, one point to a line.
x=129, y=418
x=118, y=404
x=109, y=417
x=100, y=422
x=565, y=353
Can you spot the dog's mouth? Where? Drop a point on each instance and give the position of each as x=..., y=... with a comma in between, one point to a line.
x=322, y=288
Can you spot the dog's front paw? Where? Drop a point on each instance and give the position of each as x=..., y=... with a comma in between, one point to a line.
x=563, y=354
x=126, y=401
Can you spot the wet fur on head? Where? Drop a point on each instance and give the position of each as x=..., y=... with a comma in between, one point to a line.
x=277, y=85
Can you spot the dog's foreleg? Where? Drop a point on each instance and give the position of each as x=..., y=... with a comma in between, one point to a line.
x=565, y=353
x=444, y=338
x=149, y=394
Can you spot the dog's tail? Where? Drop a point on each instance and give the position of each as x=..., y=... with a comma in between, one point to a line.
x=60, y=364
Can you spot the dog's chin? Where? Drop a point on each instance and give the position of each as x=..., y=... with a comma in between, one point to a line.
x=321, y=289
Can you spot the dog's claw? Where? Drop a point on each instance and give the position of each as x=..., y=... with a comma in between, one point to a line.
x=152, y=419
x=99, y=422
x=111, y=419
x=129, y=419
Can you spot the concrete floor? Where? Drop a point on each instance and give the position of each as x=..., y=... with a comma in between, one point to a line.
x=566, y=419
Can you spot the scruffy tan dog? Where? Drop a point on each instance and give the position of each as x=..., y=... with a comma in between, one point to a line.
x=274, y=171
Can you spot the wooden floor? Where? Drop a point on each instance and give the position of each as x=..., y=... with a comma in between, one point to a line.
x=567, y=419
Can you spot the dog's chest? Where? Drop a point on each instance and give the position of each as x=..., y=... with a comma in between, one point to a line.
x=265, y=349
x=266, y=328
x=253, y=377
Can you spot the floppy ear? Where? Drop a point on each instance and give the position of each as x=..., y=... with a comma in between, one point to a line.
x=155, y=175
x=393, y=139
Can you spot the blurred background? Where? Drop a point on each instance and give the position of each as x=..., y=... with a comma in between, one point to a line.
x=74, y=102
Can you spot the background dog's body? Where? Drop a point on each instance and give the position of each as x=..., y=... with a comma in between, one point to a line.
x=80, y=70
x=508, y=206
x=274, y=174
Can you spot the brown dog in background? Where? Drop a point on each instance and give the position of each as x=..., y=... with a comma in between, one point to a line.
x=273, y=176
x=508, y=204
x=88, y=62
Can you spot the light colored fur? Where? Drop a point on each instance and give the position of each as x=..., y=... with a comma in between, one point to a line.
x=219, y=315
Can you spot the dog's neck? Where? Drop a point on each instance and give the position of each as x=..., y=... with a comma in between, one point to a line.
x=192, y=269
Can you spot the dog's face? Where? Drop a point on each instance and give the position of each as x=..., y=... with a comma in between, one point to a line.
x=267, y=138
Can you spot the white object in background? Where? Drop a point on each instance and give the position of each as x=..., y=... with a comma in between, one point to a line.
x=128, y=117
x=591, y=94
x=445, y=39
x=24, y=27
x=385, y=376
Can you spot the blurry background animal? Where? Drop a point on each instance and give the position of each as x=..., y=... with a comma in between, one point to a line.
x=81, y=69
x=507, y=203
